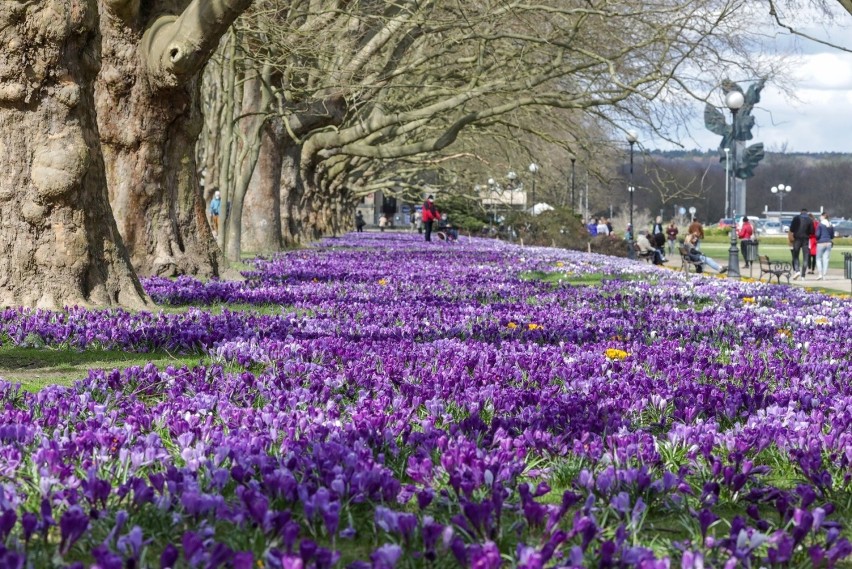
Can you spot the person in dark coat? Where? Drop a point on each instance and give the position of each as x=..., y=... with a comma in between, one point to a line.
x=801, y=229
x=430, y=216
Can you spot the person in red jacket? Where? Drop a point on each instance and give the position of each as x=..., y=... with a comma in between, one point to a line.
x=812, y=245
x=430, y=215
x=746, y=234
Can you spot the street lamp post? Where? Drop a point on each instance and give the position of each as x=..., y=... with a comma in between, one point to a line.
x=533, y=169
x=573, y=207
x=512, y=176
x=492, y=185
x=727, y=180
x=734, y=100
x=632, y=137
x=780, y=189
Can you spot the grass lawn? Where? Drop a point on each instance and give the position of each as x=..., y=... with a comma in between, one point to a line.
x=35, y=368
x=774, y=247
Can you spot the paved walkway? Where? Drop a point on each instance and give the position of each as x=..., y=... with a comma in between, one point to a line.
x=834, y=280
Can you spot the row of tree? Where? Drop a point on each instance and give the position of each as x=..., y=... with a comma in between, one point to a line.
x=107, y=121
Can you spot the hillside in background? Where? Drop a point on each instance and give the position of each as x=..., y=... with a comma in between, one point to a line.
x=667, y=180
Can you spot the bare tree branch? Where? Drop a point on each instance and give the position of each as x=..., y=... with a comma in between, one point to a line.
x=177, y=47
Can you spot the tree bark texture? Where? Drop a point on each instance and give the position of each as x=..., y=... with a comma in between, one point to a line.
x=262, y=207
x=148, y=106
x=292, y=190
x=62, y=244
x=312, y=207
x=251, y=126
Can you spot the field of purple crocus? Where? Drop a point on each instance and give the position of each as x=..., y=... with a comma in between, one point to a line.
x=396, y=404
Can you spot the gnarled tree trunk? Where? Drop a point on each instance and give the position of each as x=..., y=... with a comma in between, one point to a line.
x=61, y=241
x=149, y=117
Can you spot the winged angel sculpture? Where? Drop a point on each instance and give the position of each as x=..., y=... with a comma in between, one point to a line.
x=715, y=122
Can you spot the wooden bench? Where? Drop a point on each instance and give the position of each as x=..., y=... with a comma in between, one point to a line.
x=772, y=268
x=687, y=262
x=648, y=256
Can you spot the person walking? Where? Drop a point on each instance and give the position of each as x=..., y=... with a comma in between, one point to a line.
x=215, y=207
x=430, y=216
x=671, y=235
x=695, y=228
x=359, y=222
x=801, y=229
x=746, y=235
x=812, y=245
x=383, y=222
x=825, y=241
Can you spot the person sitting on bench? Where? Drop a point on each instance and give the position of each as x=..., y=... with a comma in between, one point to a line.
x=696, y=256
x=447, y=228
x=643, y=241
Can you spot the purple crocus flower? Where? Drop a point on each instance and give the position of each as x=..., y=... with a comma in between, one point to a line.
x=46, y=514
x=10, y=559
x=257, y=506
x=692, y=560
x=705, y=520
x=783, y=550
x=407, y=523
x=424, y=497
x=243, y=560
x=7, y=522
x=72, y=525
x=386, y=556
x=29, y=522
x=459, y=550
x=142, y=493
x=193, y=546
x=307, y=549
x=330, y=513
x=838, y=551
x=106, y=559
x=132, y=543
x=485, y=556
x=220, y=555
x=169, y=556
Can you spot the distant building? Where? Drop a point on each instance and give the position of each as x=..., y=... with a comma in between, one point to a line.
x=502, y=199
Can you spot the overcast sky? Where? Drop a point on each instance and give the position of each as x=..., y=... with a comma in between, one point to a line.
x=820, y=120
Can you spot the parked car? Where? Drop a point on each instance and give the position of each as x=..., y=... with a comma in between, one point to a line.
x=843, y=229
x=725, y=223
x=770, y=227
x=785, y=224
x=755, y=222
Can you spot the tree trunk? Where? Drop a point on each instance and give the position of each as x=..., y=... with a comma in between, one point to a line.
x=262, y=208
x=293, y=221
x=148, y=136
x=61, y=241
x=255, y=102
x=148, y=105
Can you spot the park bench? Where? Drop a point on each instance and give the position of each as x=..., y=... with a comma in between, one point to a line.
x=687, y=262
x=648, y=256
x=774, y=268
